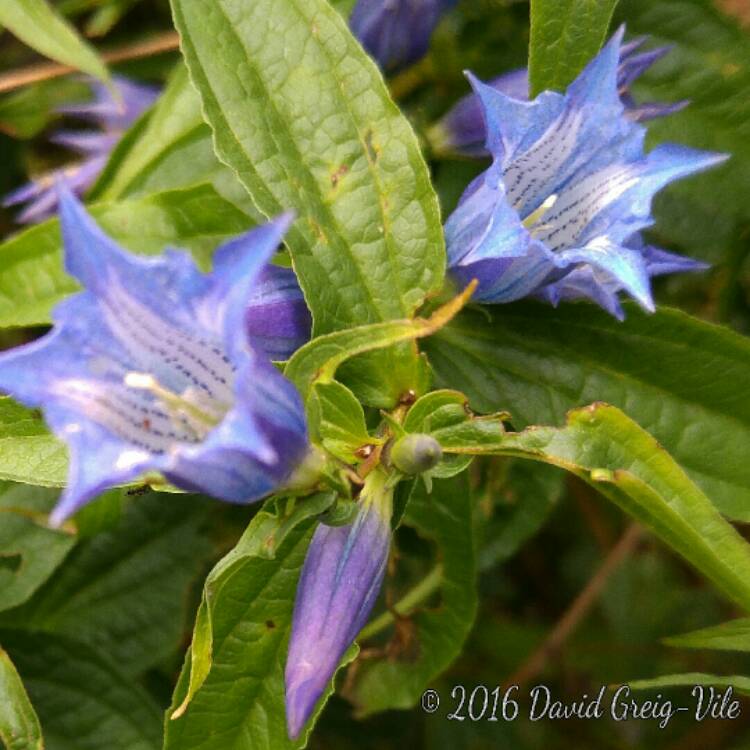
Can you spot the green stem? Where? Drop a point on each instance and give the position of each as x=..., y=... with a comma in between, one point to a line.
x=427, y=586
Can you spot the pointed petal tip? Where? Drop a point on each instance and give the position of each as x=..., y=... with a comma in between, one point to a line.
x=300, y=701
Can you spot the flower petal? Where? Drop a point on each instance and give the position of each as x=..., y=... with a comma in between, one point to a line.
x=277, y=318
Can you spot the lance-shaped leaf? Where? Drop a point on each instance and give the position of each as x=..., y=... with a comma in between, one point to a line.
x=42, y=28
x=565, y=34
x=608, y=450
x=170, y=149
x=83, y=699
x=729, y=636
x=673, y=374
x=19, y=724
x=305, y=120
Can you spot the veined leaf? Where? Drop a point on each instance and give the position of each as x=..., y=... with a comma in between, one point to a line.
x=19, y=725
x=37, y=24
x=29, y=453
x=336, y=418
x=678, y=377
x=609, y=451
x=303, y=116
x=170, y=149
x=124, y=591
x=82, y=698
x=565, y=35
x=29, y=550
x=32, y=279
x=318, y=360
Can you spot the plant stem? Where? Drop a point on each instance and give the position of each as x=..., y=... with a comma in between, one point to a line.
x=408, y=603
x=15, y=79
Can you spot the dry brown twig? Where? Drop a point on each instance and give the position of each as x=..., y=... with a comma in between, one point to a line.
x=15, y=79
x=578, y=610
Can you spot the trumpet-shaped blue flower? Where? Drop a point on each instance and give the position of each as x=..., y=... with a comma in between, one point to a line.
x=113, y=117
x=337, y=589
x=397, y=32
x=462, y=130
x=569, y=189
x=151, y=369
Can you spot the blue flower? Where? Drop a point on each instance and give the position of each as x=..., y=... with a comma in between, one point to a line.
x=151, y=369
x=277, y=318
x=462, y=130
x=337, y=589
x=397, y=32
x=569, y=189
x=113, y=117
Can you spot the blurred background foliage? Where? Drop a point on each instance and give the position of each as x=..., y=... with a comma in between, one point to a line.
x=129, y=589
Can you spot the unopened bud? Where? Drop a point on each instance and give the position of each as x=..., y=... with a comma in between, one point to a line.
x=416, y=453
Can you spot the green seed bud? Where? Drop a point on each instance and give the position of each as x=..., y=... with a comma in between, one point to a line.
x=416, y=453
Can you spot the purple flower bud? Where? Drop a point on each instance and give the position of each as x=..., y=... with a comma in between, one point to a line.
x=397, y=32
x=462, y=130
x=338, y=586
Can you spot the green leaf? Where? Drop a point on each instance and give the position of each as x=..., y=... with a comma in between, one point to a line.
x=29, y=550
x=231, y=692
x=37, y=24
x=19, y=725
x=737, y=682
x=517, y=509
x=565, y=35
x=169, y=149
x=125, y=590
x=335, y=417
x=32, y=279
x=435, y=633
x=28, y=452
x=318, y=360
x=316, y=131
x=83, y=700
x=729, y=636
x=612, y=453
x=676, y=376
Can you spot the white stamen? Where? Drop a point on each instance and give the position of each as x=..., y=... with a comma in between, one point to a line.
x=141, y=380
x=533, y=218
x=200, y=415
x=130, y=458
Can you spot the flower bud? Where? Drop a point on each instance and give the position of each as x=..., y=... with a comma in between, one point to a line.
x=338, y=586
x=416, y=453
